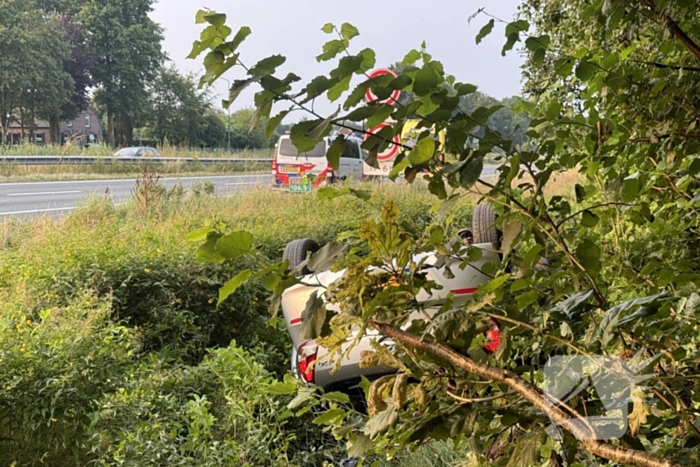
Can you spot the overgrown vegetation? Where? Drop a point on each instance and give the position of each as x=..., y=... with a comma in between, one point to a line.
x=115, y=353
x=614, y=98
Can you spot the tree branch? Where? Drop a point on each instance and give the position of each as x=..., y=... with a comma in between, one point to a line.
x=648, y=139
x=672, y=67
x=530, y=392
x=675, y=29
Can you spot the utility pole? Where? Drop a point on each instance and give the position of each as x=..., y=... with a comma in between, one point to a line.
x=228, y=131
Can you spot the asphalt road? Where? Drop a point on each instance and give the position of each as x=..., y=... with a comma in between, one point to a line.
x=56, y=198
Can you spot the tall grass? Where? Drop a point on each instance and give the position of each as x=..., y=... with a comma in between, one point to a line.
x=16, y=172
x=102, y=150
x=108, y=328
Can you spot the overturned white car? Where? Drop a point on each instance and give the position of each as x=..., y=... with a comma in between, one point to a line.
x=313, y=364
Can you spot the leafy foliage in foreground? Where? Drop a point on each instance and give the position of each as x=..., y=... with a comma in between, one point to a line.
x=613, y=98
x=112, y=348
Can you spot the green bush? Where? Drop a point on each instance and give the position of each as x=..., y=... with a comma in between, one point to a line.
x=112, y=348
x=53, y=372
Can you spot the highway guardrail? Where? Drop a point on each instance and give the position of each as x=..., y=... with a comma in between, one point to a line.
x=85, y=160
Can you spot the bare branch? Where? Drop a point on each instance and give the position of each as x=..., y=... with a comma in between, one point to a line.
x=533, y=394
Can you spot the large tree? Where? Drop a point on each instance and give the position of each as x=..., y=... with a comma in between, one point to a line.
x=180, y=114
x=127, y=44
x=614, y=107
x=33, y=49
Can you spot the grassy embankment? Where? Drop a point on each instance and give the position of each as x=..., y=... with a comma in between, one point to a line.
x=101, y=170
x=112, y=349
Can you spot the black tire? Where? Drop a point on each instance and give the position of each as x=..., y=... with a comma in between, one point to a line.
x=297, y=251
x=484, y=226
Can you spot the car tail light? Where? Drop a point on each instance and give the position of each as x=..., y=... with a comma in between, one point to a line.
x=306, y=357
x=274, y=166
x=493, y=336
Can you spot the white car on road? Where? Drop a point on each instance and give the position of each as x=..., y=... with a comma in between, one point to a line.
x=289, y=165
x=313, y=364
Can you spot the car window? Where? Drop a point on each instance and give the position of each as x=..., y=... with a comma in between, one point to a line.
x=128, y=152
x=286, y=148
x=352, y=150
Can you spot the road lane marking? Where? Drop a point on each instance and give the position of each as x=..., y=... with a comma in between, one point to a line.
x=45, y=193
x=244, y=183
x=34, y=211
x=132, y=180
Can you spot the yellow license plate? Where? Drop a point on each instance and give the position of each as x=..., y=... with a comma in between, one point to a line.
x=290, y=169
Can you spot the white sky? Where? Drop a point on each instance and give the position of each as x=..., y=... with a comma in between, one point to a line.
x=292, y=28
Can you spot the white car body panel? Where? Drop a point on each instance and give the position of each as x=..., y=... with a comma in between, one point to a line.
x=462, y=286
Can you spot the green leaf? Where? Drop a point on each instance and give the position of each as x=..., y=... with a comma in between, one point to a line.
x=235, y=244
x=533, y=255
x=231, y=286
x=463, y=89
x=215, y=19
x=632, y=188
x=423, y=151
x=573, y=305
x=323, y=128
x=313, y=318
x=380, y=115
x=274, y=122
x=369, y=59
x=564, y=66
x=398, y=168
x=538, y=57
x=495, y=284
x=336, y=397
x=281, y=388
x=200, y=235
x=336, y=91
x=240, y=36
x=471, y=172
x=335, y=151
x=327, y=256
x=589, y=219
x=329, y=417
x=526, y=451
x=299, y=135
x=268, y=65
x=348, y=31
x=586, y=70
x=237, y=88
x=411, y=57
x=381, y=422
x=207, y=252
x=425, y=81
x=270, y=282
x=197, y=48
x=328, y=28
x=199, y=17
x=528, y=298
x=360, y=446
x=485, y=31
x=510, y=42
x=588, y=254
x=330, y=50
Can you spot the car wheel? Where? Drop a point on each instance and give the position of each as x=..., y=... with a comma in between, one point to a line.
x=484, y=226
x=297, y=251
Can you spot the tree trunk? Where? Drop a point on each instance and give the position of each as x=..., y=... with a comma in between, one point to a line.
x=126, y=128
x=54, y=130
x=32, y=122
x=110, y=128
x=21, y=124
